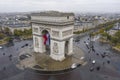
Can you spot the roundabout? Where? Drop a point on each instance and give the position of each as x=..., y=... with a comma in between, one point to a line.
x=42, y=63
x=52, y=51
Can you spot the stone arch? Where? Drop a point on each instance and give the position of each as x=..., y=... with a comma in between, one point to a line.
x=42, y=29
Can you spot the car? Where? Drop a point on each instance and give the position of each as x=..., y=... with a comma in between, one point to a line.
x=1, y=47
x=26, y=44
x=87, y=43
x=28, y=55
x=24, y=56
x=77, y=40
x=74, y=65
x=82, y=58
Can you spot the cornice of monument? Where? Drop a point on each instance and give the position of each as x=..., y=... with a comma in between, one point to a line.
x=53, y=14
x=53, y=23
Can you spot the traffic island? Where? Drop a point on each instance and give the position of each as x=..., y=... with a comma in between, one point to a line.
x=44, y=64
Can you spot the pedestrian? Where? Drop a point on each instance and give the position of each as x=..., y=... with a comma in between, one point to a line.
x=97, y=54
x=98, y=68
x=84, y=41
x=87, y=46
x=10, y=55
x=93, y=50
x=102, y=55
x=108, y=62
x=3, y=53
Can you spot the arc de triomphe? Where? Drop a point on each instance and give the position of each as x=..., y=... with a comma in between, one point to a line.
x=59, y=26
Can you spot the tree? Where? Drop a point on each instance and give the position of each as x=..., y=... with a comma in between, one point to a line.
x=114, y=40
x=109, y=27
x=7, y=31
x=21, y=33
x=101, y=30
x=2, y=35
x=18, y=32
x=8, y=39
x=117, y=34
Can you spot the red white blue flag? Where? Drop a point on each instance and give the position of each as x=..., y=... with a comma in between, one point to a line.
x=46, y=38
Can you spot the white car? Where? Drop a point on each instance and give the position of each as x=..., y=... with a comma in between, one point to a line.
x=73, y=66
x=82, y=58
x=87, y=43
x=1, y=47
x=93, y=61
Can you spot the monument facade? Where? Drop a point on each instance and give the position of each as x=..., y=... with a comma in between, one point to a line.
x=53, y=33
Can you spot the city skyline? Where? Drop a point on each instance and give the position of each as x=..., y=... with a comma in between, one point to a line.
x=101, y=6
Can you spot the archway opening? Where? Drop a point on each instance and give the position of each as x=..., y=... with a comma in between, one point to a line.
x=46, y=41
x=66, y=47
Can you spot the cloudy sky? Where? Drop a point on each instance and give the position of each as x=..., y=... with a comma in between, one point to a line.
x=61, y=5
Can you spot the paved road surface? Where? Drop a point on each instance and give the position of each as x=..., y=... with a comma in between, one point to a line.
x=8, y=70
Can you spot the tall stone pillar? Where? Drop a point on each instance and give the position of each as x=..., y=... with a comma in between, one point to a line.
x=38, y=44
x=70, y=47
x=57, y=50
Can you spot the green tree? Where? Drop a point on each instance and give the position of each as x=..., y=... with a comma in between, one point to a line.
x=101, y=30
x=18, y=32
x=2, y=35
x=7, y=31
x=7, y=39
x=109, y=27
x=114, y=40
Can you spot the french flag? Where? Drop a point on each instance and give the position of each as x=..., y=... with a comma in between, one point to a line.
x=46, y=38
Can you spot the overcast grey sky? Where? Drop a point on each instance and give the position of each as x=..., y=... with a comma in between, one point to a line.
x=61, y=5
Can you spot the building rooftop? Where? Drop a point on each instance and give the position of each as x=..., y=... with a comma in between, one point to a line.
x=16, y=25
x=52, y=13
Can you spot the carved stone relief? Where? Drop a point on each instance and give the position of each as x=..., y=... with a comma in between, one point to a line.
x=35, y=30
x=55, y=48
x=66, y=33
x=55, y=33
x=36, y=42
